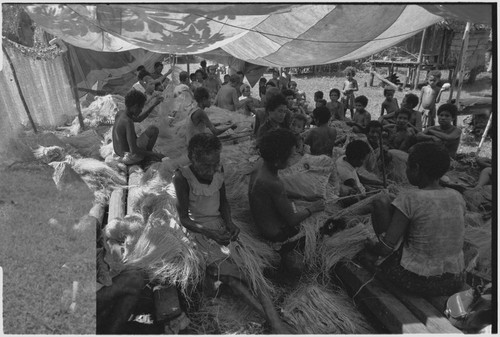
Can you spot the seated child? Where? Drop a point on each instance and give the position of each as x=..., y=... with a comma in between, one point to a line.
x=430, y=224
x=410, y=101
x=132, y=149
x=336, y=108
x=271, y=209
x=321, y=103
x=350, y=86
x=355, y=154
x=361, y=117
x=299, y=95
x=204, y=211
x=297, y=126
x=400, y=136
x=322, y=138
x=290, y=100
x=445, y=133
x=390, y=104
x=197, y=119
x=276, y=110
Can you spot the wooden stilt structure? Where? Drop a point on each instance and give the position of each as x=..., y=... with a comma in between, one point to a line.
x=419, y=60
x=463, y=55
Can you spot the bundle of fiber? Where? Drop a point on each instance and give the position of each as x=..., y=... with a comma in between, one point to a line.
x=481, y=238
x=343, y=245
x=396, y=168
x=474, y=219
x=308, y=177
x=225, y=315
x=103, y=109
x=165, y=252
x=125, y=231
x=223, y=116
x=49, y=154
x=479, y=199
x=252, y=256
x=315, y=309
x=239, y=157
x=310, y=229
x=344, y=131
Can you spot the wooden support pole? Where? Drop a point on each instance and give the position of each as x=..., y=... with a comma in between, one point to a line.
x=463, y=55
x=419, y=60
x=75, y=89
x=488, y=126
x=19, y=90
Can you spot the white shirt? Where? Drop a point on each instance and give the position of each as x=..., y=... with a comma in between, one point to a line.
x=138, y=86
x=346, y=171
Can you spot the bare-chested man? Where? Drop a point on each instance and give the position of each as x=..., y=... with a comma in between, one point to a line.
x=227, y=97
x=126, y=144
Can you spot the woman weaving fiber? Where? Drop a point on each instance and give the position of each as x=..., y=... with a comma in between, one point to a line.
x=204, y=211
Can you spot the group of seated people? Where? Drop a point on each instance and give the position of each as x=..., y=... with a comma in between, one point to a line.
x=420, y=232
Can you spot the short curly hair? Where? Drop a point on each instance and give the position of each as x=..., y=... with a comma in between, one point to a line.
x=134, y=97
x=275, y=101
x=432, y=158
x=200, y=94
x=357, y=149
x=322, y=115
x=203, y=143
x=388, y=90
x=411, y=100
x=336, y=91
x=403, y=111
x=451, y=108
x=276, y=146
x=350, y=71
x=288, y=92
x=361, y=99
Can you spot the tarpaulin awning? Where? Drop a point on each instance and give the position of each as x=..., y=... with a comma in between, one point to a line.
x=263, y=34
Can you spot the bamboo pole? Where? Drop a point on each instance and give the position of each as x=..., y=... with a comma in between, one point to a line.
x=463, y=54
x=419, y=60
x=488, y=126
x=384, y=80
x=16, y=80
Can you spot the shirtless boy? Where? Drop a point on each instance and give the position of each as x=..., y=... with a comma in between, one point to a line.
x=126, y=144
x=322, y=138
x=390, y=104
x=429, y=96
x=445, y=133
x=336, y=108
x=361, y=117
x=271, y=209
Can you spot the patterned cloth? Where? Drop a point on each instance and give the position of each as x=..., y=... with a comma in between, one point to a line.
x=435, y=236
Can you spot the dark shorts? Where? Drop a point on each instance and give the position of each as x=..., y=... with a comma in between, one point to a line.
x=441, y=285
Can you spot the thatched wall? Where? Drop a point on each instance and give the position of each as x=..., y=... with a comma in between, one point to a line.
x=45, y=87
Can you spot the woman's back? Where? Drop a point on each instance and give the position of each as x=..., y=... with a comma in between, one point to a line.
x=434, y=241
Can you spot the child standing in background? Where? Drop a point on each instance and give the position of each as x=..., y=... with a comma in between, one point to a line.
x=350, y=86
x=361, y=117
x=390, y=104
x=336, y=108
x=429, y=96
